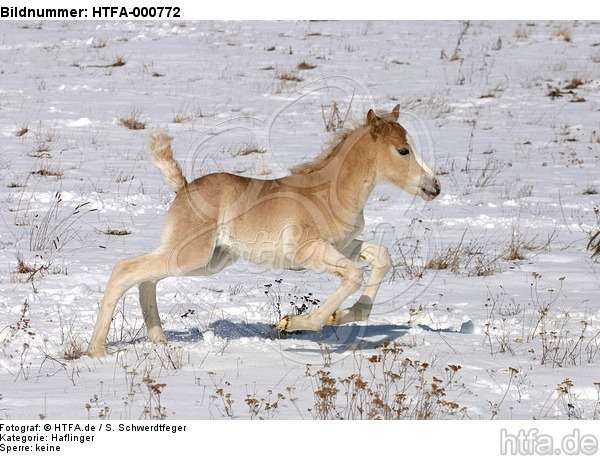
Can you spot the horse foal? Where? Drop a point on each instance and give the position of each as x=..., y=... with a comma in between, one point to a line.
x=307, y=220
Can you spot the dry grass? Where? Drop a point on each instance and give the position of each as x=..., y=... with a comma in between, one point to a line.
x=25, y=272
x=116, y=232
x=132, y=121
x=551, y=333
x=516, y=247
x=45, y=172
x=522, y=33
x=305, y=66
x=470, y=259
x=119, y=62
x=181, y=117
x=22, y=130
x=289, y=76
x=575, y=83
x=99, y=44
x=249, y=150
x=393, y=387
x=22, y=267
x=335, y=120
x=594, y=244
x=563, y=33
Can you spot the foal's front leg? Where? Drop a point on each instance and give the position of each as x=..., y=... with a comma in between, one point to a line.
x=379, y=258
x=323, y=257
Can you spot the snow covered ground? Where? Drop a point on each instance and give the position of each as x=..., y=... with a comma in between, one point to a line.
x=491, y=309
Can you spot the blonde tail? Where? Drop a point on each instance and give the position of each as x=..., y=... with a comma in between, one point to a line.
x=162, y=155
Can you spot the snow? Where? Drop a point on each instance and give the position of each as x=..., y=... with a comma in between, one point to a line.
x=518, y=168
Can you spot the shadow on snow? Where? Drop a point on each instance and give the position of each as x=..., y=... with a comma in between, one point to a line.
x=336, y=338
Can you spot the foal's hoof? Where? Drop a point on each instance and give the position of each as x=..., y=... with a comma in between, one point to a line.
x=284, y=323
x=158, y=338
x=96, y=352
x=333, y=320
x=297, y=323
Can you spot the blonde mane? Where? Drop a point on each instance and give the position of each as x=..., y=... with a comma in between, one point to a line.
x=333, y=146
x=330, y=151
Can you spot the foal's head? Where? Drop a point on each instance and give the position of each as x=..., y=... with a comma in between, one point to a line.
x=396, y=158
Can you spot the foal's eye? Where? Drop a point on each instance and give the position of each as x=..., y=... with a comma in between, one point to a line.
x=404, y=151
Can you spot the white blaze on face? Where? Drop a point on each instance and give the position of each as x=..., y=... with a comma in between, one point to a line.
x=421, y=180
x=417, y=155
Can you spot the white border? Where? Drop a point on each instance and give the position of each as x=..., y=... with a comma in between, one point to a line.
x=461, y=438
x=351, y=9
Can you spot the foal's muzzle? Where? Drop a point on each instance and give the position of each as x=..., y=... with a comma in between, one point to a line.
x=431, y=189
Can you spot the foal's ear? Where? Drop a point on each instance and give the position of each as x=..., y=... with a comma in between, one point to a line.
x=372, y=118
x=396, y=112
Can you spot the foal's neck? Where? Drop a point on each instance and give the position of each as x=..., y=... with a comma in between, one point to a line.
x=352, y=174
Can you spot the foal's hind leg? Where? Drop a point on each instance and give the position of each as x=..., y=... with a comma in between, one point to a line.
x=143, y=269
x=323, y=257
x=192, y=255
x=146, y=271
x=379, y=258
x=219, y=260
x=150, y=310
